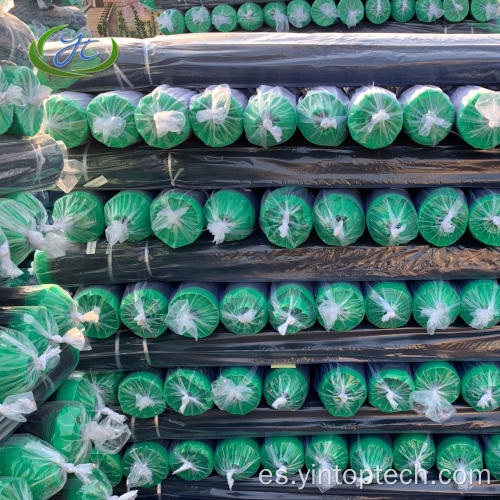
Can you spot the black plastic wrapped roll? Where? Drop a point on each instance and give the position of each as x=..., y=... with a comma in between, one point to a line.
x=15, y=40
x=27, y=11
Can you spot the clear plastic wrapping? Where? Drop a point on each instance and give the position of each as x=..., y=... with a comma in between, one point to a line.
x=198, y=19
x=484, y=10
x=298, y=13
x=481, y=385
x=110, y=464
x=480, y=303
x=191, y=460
x=250, y=16
x=286, y=388
x=15, y=488
x=403, y=11
x=414, y=454
x=370, y=457
x=351, y=12
x=484, y=215
x=428, y=11
x=282, y=455
x=455, y=10
x=145, y=464
x=171, y=22
x=377, y=11
x=141, y=394
x=224, y=18
x=275, y=16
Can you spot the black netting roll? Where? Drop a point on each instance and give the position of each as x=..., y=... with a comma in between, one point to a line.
x=27, y=11
x=15, y=40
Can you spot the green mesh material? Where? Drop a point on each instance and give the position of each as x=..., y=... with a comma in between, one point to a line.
x=390, y=387
x=110, y=464
x=414, y=453
x=8, y=269
x=127, y=217
x=177, y=216
x=141, y=395
x=270, y=117
x=65, y=118
x=341, y=388
x=484, y=10
x=370, y=456
x=299, y=13
x=230, y=214
x=237, y=390
x=192, y=460
x=491, y=451
x=324, y=12
x=377, y=11
x=95, y=487
x=436, y=305
x=250, y=16
x=351, y=12
x=275, y=16
x=224, y=18
x=111, y=118
x=145, y=464
x=198, y=19
x=428, y=114
x=193, y=310
x=428, y=11
x=388, y=304
x=455, y=10
x=291, y=308
x=481, y=386
x=459, y=458
x=340, y=306
x=34, y=206
x=480, y=303
x=107, y=385
x=286, y=216
x=322, y=115
x=10, y=95
x=403, y=11
x=189, y=391
x=286, y=388
x=484, y=216
x=14, y=488
x=375, y=116
x=391, y=218
x=171, y=22
x=78, y=388
x=244, y=308
x=161, y=117
x=282, y=455
x=216, y=115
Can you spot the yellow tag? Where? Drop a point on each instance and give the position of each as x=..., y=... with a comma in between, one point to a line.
x=283, y=366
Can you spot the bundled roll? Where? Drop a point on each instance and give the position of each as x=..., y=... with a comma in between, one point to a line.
x=491, y=451
x=110, y=464
x=370, y=457
x=194, y=310
x=275, y=16
x=390, y=386
x=34, y=206
x=237, y=390
x=10, y=95
x=484, y=10
x=198, y=19
x=171, y=22
x=377, y=11
x=403, y=11
x=106, y=384
x=388, y=304
x=324, y=12
x=414, y=454
x=298, y=13
x=244, y=308
x=481, y=386
x=270, y=117
x=16, y=39
x=429, y=11
x=224, y=18
x=484, y=215
x=191, y=460
x=27, y=11
x=8, y=269
x=161, y=117
x=250, y=16
x=145, y=464
x=455, y=11
x=286, y=388
x=96, y=486
x=286, y=216
x=480, y=303
x=341, y=388
x=283, y=456
x=15, y=488
x=351, y=12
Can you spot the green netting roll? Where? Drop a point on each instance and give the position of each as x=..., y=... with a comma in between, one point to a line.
x=65, y=118
x=144, y=308
x=341, y=388
x=236, y=459
x=140, y=394
x=250, y=16
x=429, y=11
x=484, y=215
x=194, y=310
x=459, y=458
x=107, y=384
x=14, y=488
x=237, y=390
x=484, y=10
x=171, y=22
x=403, y=11
x=95, y=487
x=244, y=308
x=299, y=13
x=145, y=464
x=286, y=216
x=414, y=453
x=480, y=303
x=161, y=117
x=188, y=391
x=370, y=456
x=282, y=455
x=340, y=306
x=375, y=116
x=377, y=11
x=388, y=304
x=477, y=117
x=481, y=386
x=491, y=451
x=351, y=12
x=322, y=115
x=111, y=118
x=436, y=305
x=324, y=12
x=390, y=386
x=127, y=217
x=286, y=388
x=291, y=307
x=455, y=11
x=428, y=114
x=231, y=214
x=224, y=18
x=78, y=388
x=198, y=19
x=7, y=267
x=10, y=95
x=191, y=460
x=34, y=206
x=216, y=115
x=270, y=117
x=177, y=216
x=275, y=16
x=110, y=464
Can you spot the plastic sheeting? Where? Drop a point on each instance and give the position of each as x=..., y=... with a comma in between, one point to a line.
x=15, y=39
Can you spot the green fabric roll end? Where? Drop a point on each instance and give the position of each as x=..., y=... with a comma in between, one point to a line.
x=96, y=486
x=78, y=388
x=107, y=384
x=480, y=303
x=459, y=458
x=14, y=488
x=414, y=453
x=438, y=375
x=481, y=386
x=42, y=267
x=145, y=464
x=33, y=205
x=250, y=16
x=491, y=452
x=224, y=18
x=484, y=217
x=110, y=464
x=484, y=10
x=192, y=460
x=377, y=11
x=198, y=19
x=140, y=394
x=455, y=11
x=285, y=388
x=324, y=12
x=370, y=455
x=351, y=12
x=282, y=454
x=325, y=454
x=429, y=11
x=299, y=13
x=10, y=95
x=389, y=389
x=236, y=459
x=388, y=304
x=403, y=11
x=275, y=16
x=171, y=22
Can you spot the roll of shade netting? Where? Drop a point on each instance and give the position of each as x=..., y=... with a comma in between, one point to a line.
x=34, y=206
x=428, y=11
x=414, y=454
x=191, y=460
x=141, y=395
x=224, y=18
x=388, y=304
x=377, y=11
x=298, y=13
x=171, y=22
x=95, y=486
x=455, y=11
x=275, y=16
x=145, y=464
x=110, y=464
x=484, y=10
x=286, y=388
x=282, y=455
x=10, y=95
x=198, y=19
x=250, y=16
x=402, y=11
x=106, y=384
x=390, y=386
x=8, y=269
x=480, y=303
x=370, y=457
x=351, y=12
x=491, y=451
x=324, y=12
x=481, y=385
x=14, y=488
x=484, y=215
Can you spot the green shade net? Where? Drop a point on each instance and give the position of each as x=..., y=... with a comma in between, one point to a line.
x=110, y=464
x=161, y=117
x=250, y=16
x=322, y=115
x=237, y=390
x=340, y=306
x=171, y=22
x=189, y=391
x=484, y=216
x=10, y=95
x=78, y=388
x=177, y=216
x=370, y=457
x=14, y=488
x=65, y=118
x=484, y=10
x=341, y=388
x=286, y=388
x=455, y=10
x=35, y=208
x=324, y=12
x=491, y=451
x=145, y=464
x=351, y=12
x=95, y=487
x=111, y=118
x=275, y=16
x=436, y=305
x=391, y=218
x=429, y=11
x=141, y=395
x=286, y=216
x=236, y=459
x=428, y=114
x=481, y=386
x=377, y=11
x=244, y=308
x=291, y=307
x=388, y=304
x=231, y=214
x=191, y=460
x=282, y=455
x=270, y=117
x=477, y=116
x=7, y=267
x=390, y=386
x=106, y=384
x=194, y=310
x=402, y=11
x=480, y=303
x=127, y=217
x=198, y=19
x=299, y=13
x=414, y=453
x=216, y=115
x=224, y=18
